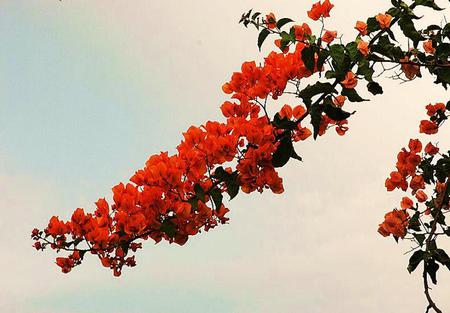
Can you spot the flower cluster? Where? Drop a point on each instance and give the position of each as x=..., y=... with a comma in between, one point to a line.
x=416, y=170
x=437, y=116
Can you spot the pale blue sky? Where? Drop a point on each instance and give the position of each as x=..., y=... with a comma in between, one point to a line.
x=89, y=89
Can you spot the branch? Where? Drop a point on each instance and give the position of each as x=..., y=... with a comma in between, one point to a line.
x=431, y=304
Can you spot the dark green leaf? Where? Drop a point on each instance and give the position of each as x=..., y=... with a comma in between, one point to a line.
x=352, y=95
x=393, y=12
x=324, y=54
x=199, y=192
x=415, y=260
x=442, y=257
x=217, y=197
x=336, y=113
x=372, y=24
x=262, y=36
x=414, y=223
x=312, y=90
x=374, y=88
x=255, y=15
x=352, y=49
x=283, y=21
x=432, y=268
x=308, y=58
x=232, y=186
x=230, y=180
x=283, y=123
x=337, y=53
x=283, y=153
x=428, y=3
x=409, y=30
x=169, y=228
x=420, y=238
x=316, y=117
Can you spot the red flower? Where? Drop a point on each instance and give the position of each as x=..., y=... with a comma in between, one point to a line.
x=361, y=27
x=319, y=10
x=431, y=149
x=428, y=127
x=329, y=36
x=395, y=223
x=350, y=81
x=271, y=21
x=406, y=203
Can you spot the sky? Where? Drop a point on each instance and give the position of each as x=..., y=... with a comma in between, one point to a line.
x=90, y=89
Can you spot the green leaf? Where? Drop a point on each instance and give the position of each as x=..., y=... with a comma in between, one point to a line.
x=336, y=113
x=323, y=55
x=217, y=197
x=199, y=192
x=432, y=267
x=283, y=153
x=372, y=24
x=316, y=117
x=388, y=49
x=409, y=30
x=232, y=185
x=283, y=123
x=374, y=88
x=352, y=95
x=414, y=223
x=313, y=90
x=365, y=69
x=420, y=238
x=283, y=21
x=352, y=49
x=330, y=74
x=428, y=3
x=168, y=227
x=393, y=12
x=308, y=58
x=415, y=260
x=230, y=180
x=262, y=36
x=442, y=257
x=255, y=15
x=337, y=53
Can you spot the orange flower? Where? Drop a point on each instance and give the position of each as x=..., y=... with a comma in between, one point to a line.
x=428, y=127
x=406, y=203
x=395, y=223
x=428, y=47
x=278, y=44
x=329, y=36
x=286, y=112
x=302, y=133
x=431, y=149
x=361, y=27
x=339, y=101
x=433, y=109
x=301, y=31
x=298, y=111
x=421, y=196
x=227, y=88
x=66, y=264
x=319, y=10
x=350, y=81
x=326, y=8
x=271, y=21
x=363, y=47
x=417, y=183
x=410, y=69
x=415, y=145
x=384, y=20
